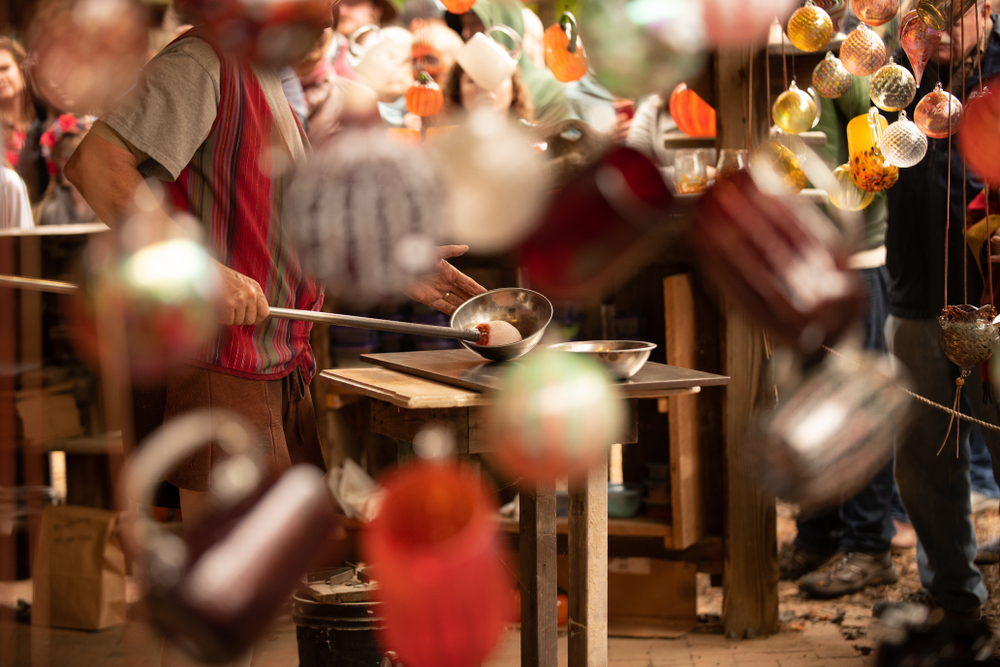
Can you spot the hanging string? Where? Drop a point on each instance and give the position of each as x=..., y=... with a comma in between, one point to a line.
x=965, y=193
x=767, y=81
x=986, y=190
x=947, y=215
x=750, y=103
x=784, y=59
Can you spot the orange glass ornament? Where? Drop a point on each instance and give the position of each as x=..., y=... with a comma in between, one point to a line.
x=979, y=138
x=564, y=54
x=938, y=114
x=875, y=12
x=458, y=6
x=424, y=98
x=869, y=168
x=694, y=116
x=863, y=51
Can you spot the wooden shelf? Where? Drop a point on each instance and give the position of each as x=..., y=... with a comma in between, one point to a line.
x=639, y=526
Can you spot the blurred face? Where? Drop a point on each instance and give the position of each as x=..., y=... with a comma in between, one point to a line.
x=428, y=59
x=471, y=24
x=952, y=40
x=474, y=97
x=398, y=83
x=11, y=81
x=356, y=13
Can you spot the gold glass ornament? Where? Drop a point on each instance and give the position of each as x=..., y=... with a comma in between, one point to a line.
x=892, y=87
x=830, y=78
x=810, y=28
x=843, y=192
x=903, y=144
x=774, y=158
x=863, y=51
x=869, y=168
x=941, y=14
x=938, y=114
x=875, y=12
x=794, y=111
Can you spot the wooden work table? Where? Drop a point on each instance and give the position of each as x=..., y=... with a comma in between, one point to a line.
x=403, y=404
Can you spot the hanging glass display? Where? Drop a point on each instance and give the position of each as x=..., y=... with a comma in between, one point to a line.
x=875, y=12
x=776, y=159
x=941, y=14
x=844, y=193
x=794, y=111
x=919, y=41
x=863, y=51
x=938, y=114
x=809, y=28
x=903, y=144
x=830, y=78
x=869, y=168
x=892, y=87
x=979, y=136
x=968, y=337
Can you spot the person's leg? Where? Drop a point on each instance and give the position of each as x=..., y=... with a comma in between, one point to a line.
x=988, y=410
x=816, y=541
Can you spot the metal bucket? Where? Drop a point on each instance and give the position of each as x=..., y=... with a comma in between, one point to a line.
x=337, y=635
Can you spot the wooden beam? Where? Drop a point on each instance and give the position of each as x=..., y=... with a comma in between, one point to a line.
x=537, y=538
x=588, y=570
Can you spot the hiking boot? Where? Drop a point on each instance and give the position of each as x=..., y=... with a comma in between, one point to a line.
x=794, y=562
x=850, y=573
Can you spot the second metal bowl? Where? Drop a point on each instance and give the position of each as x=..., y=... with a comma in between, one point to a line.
x=622, y=358
x=529, y=312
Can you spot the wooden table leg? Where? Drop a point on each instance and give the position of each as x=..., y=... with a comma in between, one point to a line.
x=588, y=570
x=539, y=625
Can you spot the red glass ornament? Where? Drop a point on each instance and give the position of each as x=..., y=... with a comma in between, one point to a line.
x=694, y=116
x=979, y=136
x=938, y=114
x=919, y=41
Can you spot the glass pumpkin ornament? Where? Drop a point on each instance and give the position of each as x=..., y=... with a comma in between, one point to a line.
x=979, y=136
x=875, y=12
x=869, y=168
x=694, y=116
x=844, y=193
x=830, y=78
x=863, y=52
x=564, y=54
x=903, y=144
x=938, y=114
x=919, y=41
x=773, y=158
x=892, y=87
x=942, y=14
x=794, y=111
x=458, y=6
x=809, y=28
x=424, y=98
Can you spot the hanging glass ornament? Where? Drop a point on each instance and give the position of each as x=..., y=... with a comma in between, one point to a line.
x=837, y=9
x=863, y=51
x=979, y=136
x=773, y=158
x=818, y=102
x=903, y=144
x=790, y=141
x=794, y=111
x=843, y=192
x=919, y=41
x=869, y=168
x=938, y=114
x=875, y=12
x=809, y=28
x=830, y=78
x=941, y=14
x=892, y=87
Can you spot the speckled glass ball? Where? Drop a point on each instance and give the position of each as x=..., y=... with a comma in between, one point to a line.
x=830, y=78
x=782, y=162
x=794, y=111
x=938, y=114
x=892, y=87
x=871, y=172
x=863, y=52
x=875, y=12
x=810, y=28
x=844, y=194
x=903, y=144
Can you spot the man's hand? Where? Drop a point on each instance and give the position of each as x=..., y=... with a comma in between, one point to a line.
x=242, y=300
x=448, y=288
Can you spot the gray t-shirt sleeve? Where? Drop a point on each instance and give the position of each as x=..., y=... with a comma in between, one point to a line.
x=173, y=106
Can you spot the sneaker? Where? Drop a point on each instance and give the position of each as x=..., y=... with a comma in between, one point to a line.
x=988, y=552
x=850, y=573
x=932, y=612
x=794, y=562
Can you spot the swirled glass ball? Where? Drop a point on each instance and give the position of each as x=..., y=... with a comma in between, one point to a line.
x=810, y=28
x=830, y=78
x=875, y=12
x=903, y=144
x=794, y=111
x=863, y=51
x=843, y=192
x=892, y=87
x=938, y=114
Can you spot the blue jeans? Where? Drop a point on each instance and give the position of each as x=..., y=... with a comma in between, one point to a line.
x=862, y=523
x=935, y=489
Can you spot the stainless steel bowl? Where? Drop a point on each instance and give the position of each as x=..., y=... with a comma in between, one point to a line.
x=529, y=312
x=622, y=358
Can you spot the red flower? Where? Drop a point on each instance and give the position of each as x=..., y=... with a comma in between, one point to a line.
x=48, y=139
x=68, y=123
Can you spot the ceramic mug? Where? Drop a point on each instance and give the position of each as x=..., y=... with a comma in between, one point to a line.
x=375, y=63
x=486, y=61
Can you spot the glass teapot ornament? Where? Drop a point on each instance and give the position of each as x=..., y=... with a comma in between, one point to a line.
x=938, y=114
x=809, y=28
x=564, y=54
x=942, y=14
x=892, y=87
x=979, y=136
x=795, y=110
x=863, y=52
x=869, y=167
x=919, y=41
x=830, y=78
x=875, y=12
x=844, y=193
x=903, y=144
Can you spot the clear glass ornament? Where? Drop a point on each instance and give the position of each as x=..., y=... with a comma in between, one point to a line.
x=830, y=78
x=794, y=111
x=774, y=159
x=863, y=51
x=941, y=14
x=875, y=12
x=919, y=41
x=903, y=144
x=790, y=141
x=892, y=87
x=810, y=28
x=844, y=194
x=938, y=114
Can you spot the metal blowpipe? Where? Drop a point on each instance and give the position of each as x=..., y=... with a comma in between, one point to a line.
x=471, y=335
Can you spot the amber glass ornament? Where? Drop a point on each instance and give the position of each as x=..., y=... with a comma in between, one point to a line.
x=830, y=78
x=794, y=111
x=869, y=168
x=979, y=136
x=903, y=144
x=919, y=41
x=777, y=159
x=941, y=14
x=564, y=53
x=892, y=87
x=843, y=192
x=458, y=6
x=694, y=116
x=938, y=114
x=809, y=28
x=424, y=98
x=875, y=12
x=863, y=52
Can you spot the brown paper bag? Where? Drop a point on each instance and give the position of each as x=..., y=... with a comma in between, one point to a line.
x=79, y=571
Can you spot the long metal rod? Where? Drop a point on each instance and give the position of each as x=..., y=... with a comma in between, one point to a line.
x=471, y=335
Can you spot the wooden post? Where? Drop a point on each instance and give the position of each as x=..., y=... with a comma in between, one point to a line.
x=750, y=579
x=537, y=543
x=588, y=570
